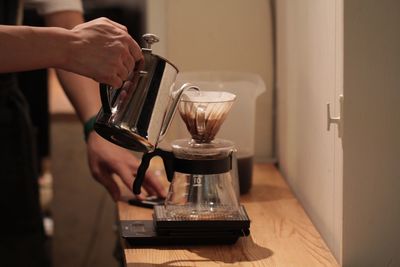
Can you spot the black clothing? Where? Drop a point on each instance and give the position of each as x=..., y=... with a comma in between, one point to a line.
x=33, y=84
x=22, y=237
x=8, y=9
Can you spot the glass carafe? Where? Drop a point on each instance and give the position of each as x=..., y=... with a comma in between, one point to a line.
x=203, y=195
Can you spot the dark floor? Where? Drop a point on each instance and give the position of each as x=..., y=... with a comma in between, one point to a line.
x=83, y=212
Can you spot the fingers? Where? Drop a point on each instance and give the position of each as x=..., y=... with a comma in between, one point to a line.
x=123, y=73
x=129, y=63
x=139, y=65
x=127, y=176
x=124, y=68
x=150, y=191
x=106, y=159
x=135, y=50
x=125, y=173
x=107, y=181
x=106, y=52
x=116, y=24
x=153, y=185
x=141, y=196
x=115, y=81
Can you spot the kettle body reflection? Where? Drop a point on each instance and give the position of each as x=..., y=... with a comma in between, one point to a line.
x=137, y=115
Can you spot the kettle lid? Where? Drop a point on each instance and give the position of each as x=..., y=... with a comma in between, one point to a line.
x=150, y=39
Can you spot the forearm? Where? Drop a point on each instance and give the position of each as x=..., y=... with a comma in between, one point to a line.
x=27, y=48
x=81, y=91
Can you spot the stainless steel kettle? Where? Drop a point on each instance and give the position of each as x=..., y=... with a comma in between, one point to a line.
x=137, y=115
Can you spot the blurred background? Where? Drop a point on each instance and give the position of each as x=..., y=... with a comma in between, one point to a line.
x=225, y=35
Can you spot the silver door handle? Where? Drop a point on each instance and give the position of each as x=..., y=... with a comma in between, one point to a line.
x=338, y=120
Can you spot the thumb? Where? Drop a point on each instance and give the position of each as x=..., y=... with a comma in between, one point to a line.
x=127, y=177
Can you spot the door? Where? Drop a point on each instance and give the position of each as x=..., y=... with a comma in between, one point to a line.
x=309, y=75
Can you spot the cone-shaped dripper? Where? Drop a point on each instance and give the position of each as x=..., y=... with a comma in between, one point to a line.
x=204, y=112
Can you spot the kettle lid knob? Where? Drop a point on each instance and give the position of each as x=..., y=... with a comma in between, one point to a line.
x=150, y=39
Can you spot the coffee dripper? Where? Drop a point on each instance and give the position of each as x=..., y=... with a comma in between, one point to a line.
x=205, y=188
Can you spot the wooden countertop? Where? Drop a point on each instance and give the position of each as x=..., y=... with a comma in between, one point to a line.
x=281, y=234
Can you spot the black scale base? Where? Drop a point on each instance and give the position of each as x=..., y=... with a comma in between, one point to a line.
x=164, y=231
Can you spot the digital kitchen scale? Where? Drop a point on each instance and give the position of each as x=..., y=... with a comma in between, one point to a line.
x=166, y=231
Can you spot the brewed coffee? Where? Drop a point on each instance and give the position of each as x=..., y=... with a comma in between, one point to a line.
x=211, y=126
x=204, y=113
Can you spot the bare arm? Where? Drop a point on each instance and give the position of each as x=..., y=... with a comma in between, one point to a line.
x=100, y=49
x=27, y=48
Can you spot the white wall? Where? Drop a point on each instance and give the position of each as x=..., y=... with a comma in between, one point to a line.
x=220, y=35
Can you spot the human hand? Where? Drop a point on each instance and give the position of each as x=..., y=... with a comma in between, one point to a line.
x=106, y=159
x=104, y=51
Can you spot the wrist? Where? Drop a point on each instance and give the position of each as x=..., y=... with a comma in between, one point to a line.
x=65, y=40
x=88, y=127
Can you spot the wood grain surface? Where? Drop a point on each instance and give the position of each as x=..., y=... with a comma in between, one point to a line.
x=281, y=233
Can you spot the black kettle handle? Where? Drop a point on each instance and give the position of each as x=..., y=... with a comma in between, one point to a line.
x=168, y=160
x=105, y=102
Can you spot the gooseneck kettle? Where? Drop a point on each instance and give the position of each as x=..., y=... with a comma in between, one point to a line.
x=137, y=115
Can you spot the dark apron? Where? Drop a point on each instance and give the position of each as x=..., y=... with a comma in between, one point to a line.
x=22, y=240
